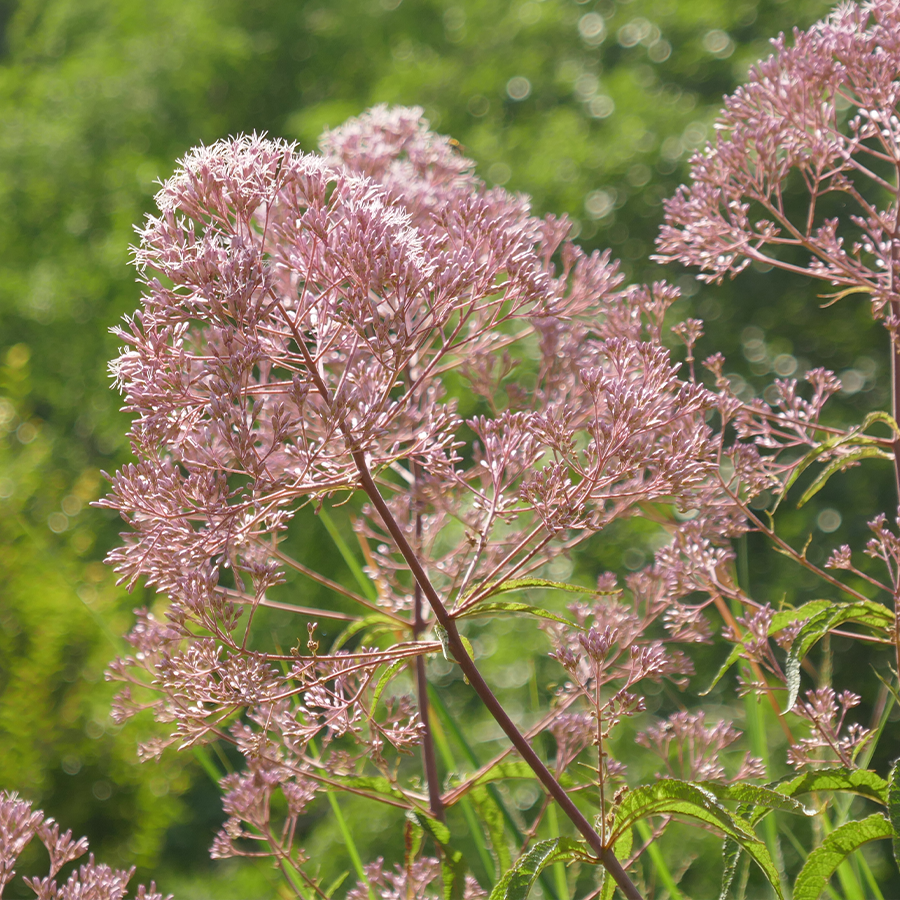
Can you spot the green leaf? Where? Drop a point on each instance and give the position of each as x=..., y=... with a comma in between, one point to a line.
x=491, y=817
x=336, y=883
x=369, y=624
x=372, y=784
x=785, y=617
x=800, y=468
x=386, y=676
x=753, y=797
x=525, y=584
x=680, y=798
x=453, y=863
x=516, y=769
x=622, y=850
x=733, y=657
x=865, y=612
x=823, y=861
x=854, y=781
x=865, y=452
x=487, y=609
x=453, y=873
x=518, y=881
x=880, y=416
x=894, y=810
x=434, y=828
x=731, y=852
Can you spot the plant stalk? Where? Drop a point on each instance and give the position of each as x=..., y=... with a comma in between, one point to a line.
x=605, y=855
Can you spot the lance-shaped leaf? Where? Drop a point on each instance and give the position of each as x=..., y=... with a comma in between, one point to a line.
x=368, y=784
x=491, y=818
x=864, y=442
x=518, y=881
x=864, y=782
x=453, y=863
x=731, y=855
x=369, y=627
x=733, y=657
x=854, y=456
x=893, y=797
x=754, y=798
x=865, y=612
x=823, y=861
x=386, y=676
x=526, y=584
x=681, y=798
x=498, y=606
x=516, y=769
x=622, y=849
x=785, y=617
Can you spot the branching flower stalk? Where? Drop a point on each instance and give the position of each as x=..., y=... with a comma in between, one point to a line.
x=291, y=347
x=374, y=325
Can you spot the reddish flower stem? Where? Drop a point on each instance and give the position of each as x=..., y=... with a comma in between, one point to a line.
x=605, y=855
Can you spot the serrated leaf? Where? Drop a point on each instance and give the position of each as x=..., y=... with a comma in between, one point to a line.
x=733, y=657
x=893, y=798
x=526, y=584
x=486, y=609
x=622, y=850
x=879, y=415
x=336, y=883
x=823, y=861
x=386, y=676
x=799, y=468
x=441, y=634
x=372, y=784
x=865, y=612
x=752, y=797
x=453, y=874
x=731, y=854
x=434, y=828
x=864, y=782
x=670, y=796
x=453, y=863
x=865, y=452
x=785, y=617
x=518, y=881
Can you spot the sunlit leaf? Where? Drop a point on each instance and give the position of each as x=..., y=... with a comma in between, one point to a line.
x=822, y=862
x=671, y=797
x=864, y=612
x=486, y=609
x=518, y=881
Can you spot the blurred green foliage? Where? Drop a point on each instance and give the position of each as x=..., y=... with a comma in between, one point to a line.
x=592, y=108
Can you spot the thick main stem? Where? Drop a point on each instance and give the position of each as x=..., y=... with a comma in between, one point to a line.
x=895, y=412
x=605, y=855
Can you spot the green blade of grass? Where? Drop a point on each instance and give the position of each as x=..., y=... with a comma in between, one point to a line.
x=347, y=836
x=365, y=584
x=659, y=864
x=468, y=811
x=450, y=724
x=559, y=868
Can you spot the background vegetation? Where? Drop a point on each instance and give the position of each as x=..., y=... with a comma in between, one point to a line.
x=591, y=108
